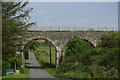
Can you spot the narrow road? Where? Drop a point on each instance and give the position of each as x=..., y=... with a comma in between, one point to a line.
x=35, y=70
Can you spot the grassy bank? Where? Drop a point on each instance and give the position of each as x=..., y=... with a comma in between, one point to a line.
x=24, y=73
x=43, y=53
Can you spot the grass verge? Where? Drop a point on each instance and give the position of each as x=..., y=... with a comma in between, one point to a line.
x=24, y=75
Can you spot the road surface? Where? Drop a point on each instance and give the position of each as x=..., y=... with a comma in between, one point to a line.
x=35, y=70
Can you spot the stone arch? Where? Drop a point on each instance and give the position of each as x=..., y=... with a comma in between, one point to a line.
x=58, y=53
x=45, y=38
x=87, y=39
x=84, y=38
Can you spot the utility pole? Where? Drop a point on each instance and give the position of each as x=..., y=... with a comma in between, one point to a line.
x=50, y=52
x=22, y=53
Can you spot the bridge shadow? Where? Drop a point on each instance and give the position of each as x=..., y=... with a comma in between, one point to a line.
x=47, y=65
x=27, y=63
x=43, y=66
x=34, y=67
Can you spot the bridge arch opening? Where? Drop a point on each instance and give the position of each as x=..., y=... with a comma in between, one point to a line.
x=91, y=44
x=65, y=45
x=66, y=42
x=46, y=49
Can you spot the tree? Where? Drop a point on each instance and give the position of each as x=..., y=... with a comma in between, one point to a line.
x=15, y=18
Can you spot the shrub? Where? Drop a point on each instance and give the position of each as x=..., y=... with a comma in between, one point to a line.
x=111, y=40
x=77, y=55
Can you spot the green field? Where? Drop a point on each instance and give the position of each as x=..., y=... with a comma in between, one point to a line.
x=43, y=53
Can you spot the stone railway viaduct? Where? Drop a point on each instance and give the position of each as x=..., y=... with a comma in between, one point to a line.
x=60, y=38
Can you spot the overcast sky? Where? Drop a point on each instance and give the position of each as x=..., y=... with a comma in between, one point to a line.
x=74, y=14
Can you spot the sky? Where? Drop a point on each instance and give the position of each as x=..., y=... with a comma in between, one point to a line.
x=74, y=15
